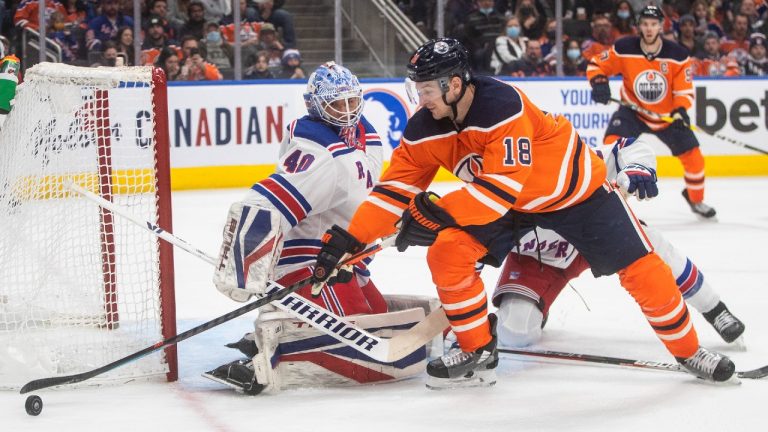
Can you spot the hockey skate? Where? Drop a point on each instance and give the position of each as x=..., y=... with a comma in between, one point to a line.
x=238, y=375
x=246, y=345
x=699, y=208
x=725, y=323
x=710, y=366
x=465, y=369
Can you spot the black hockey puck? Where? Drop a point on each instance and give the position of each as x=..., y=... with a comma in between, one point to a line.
x=34, y=405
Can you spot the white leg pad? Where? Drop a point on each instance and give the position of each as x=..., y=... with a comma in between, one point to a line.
x=519, y=322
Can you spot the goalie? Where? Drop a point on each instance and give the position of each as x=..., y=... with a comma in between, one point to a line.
x=328, y=163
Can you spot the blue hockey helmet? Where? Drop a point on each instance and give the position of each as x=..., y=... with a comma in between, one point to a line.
x=334, y=95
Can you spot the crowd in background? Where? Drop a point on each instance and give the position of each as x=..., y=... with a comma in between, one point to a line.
x=517, y=37
x=191, y=40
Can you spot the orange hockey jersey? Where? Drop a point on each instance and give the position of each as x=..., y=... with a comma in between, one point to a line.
x=532, y=162
x=659, y=84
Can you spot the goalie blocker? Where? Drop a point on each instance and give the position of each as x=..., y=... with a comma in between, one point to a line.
x=291, y=354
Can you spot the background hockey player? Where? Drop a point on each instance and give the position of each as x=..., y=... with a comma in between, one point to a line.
x=536, y=272
x=657, y=75
x=533, y=162
x=329, y=161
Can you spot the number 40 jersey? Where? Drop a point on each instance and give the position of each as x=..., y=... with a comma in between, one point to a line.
x=323, y=174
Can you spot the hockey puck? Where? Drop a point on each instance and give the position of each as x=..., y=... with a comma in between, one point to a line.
x=34, y=405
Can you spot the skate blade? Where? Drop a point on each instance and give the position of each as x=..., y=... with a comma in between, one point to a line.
x=732, y=381
x=738, y=344
x=485, y=378
x=236, y=386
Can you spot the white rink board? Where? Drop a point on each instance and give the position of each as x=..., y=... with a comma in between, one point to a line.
x=243, y=123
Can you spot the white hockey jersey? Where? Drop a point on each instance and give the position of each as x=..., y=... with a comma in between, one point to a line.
x=320, y=180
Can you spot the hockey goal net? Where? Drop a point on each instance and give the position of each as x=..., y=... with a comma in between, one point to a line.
x=79, y=286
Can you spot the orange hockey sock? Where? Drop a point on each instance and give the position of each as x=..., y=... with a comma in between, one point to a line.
x=452, y=261
x=650, y=282
x=693, y=164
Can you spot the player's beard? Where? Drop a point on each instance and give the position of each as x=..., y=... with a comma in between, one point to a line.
x=653, y=41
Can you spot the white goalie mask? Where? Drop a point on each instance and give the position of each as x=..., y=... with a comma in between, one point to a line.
x=334, y=95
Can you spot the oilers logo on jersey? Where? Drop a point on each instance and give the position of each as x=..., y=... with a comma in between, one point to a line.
x=650, y=86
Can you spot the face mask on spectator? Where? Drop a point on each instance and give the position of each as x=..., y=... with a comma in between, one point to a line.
x=486, y=11
x=623, y=14
x=573, y=53
x=513, y=31
x=213, y=37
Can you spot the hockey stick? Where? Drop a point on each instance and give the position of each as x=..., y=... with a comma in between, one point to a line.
x=758, y=373
x=276, y=293
x=381, y=349
x=668, y=119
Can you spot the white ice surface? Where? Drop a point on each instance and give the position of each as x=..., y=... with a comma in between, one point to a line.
x=531, y=395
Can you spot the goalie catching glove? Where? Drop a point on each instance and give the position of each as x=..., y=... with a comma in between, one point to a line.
x=421, y=222
x=638, y=180
x=337, y=242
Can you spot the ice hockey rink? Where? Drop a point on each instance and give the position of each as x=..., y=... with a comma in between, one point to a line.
x=531, y=394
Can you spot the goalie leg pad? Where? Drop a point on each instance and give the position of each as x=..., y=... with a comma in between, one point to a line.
x=520, y=321
x=301, y=356
x=249, y=252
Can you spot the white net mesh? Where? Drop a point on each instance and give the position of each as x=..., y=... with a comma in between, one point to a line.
x=79, y=287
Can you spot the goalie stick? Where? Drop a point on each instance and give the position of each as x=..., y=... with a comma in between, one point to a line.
x=276, y=293
x=668, y=119
x=758, y=373
x=381, y=349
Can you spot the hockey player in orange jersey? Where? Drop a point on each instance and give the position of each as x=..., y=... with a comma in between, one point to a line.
x=656, y=75
x=533, y=163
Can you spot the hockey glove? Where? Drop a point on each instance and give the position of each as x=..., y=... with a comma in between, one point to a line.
x=336, y=243
x=681, y=119
x=638, y=180
x=601, y=91
x=421, y=222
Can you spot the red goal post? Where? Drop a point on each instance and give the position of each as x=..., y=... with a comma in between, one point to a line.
x=80, y=287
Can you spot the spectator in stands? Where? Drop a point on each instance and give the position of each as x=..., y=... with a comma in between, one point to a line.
x=124, y=42
x=156, y=36
x=159, y=8
x=756, y=16
x=259, y=69
x=178, y=12
x=104, y=26
x=108, y=55
x=532, y=63
x=215, y=10
x=168, y=61
x=738, y=37
x=195, y=68
x=219, y=51
x=269, y=42
x=704, y=20
x=480, y=31
x=456, y=12
x=601, y=39
x=60, y=32
x=713, y=63
x=623, y=20
x=686, y=35
x=280, y=18
x=27, y=13
x=574, y=64
x=195, y=25
x=597, y=7
x=247, y=15
x=249, y=31
x=532, y=23
x=79, y=12
x=509, y=47
x=291, y=65
x=577, y=27
x=756, y=63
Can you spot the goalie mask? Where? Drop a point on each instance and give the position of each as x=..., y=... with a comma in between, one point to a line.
x=334, y=95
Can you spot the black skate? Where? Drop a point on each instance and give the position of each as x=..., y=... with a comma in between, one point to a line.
x=700, y=209
x=465, y=369
x=238, y=375
x=725, y=323
x=710, y=366
x=245, y=345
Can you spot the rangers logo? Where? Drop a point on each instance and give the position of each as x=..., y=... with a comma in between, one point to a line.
x=650, y=86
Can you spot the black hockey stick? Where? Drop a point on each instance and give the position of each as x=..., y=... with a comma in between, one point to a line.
x=276, y=295
x=668, y=119
x=616, y=361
